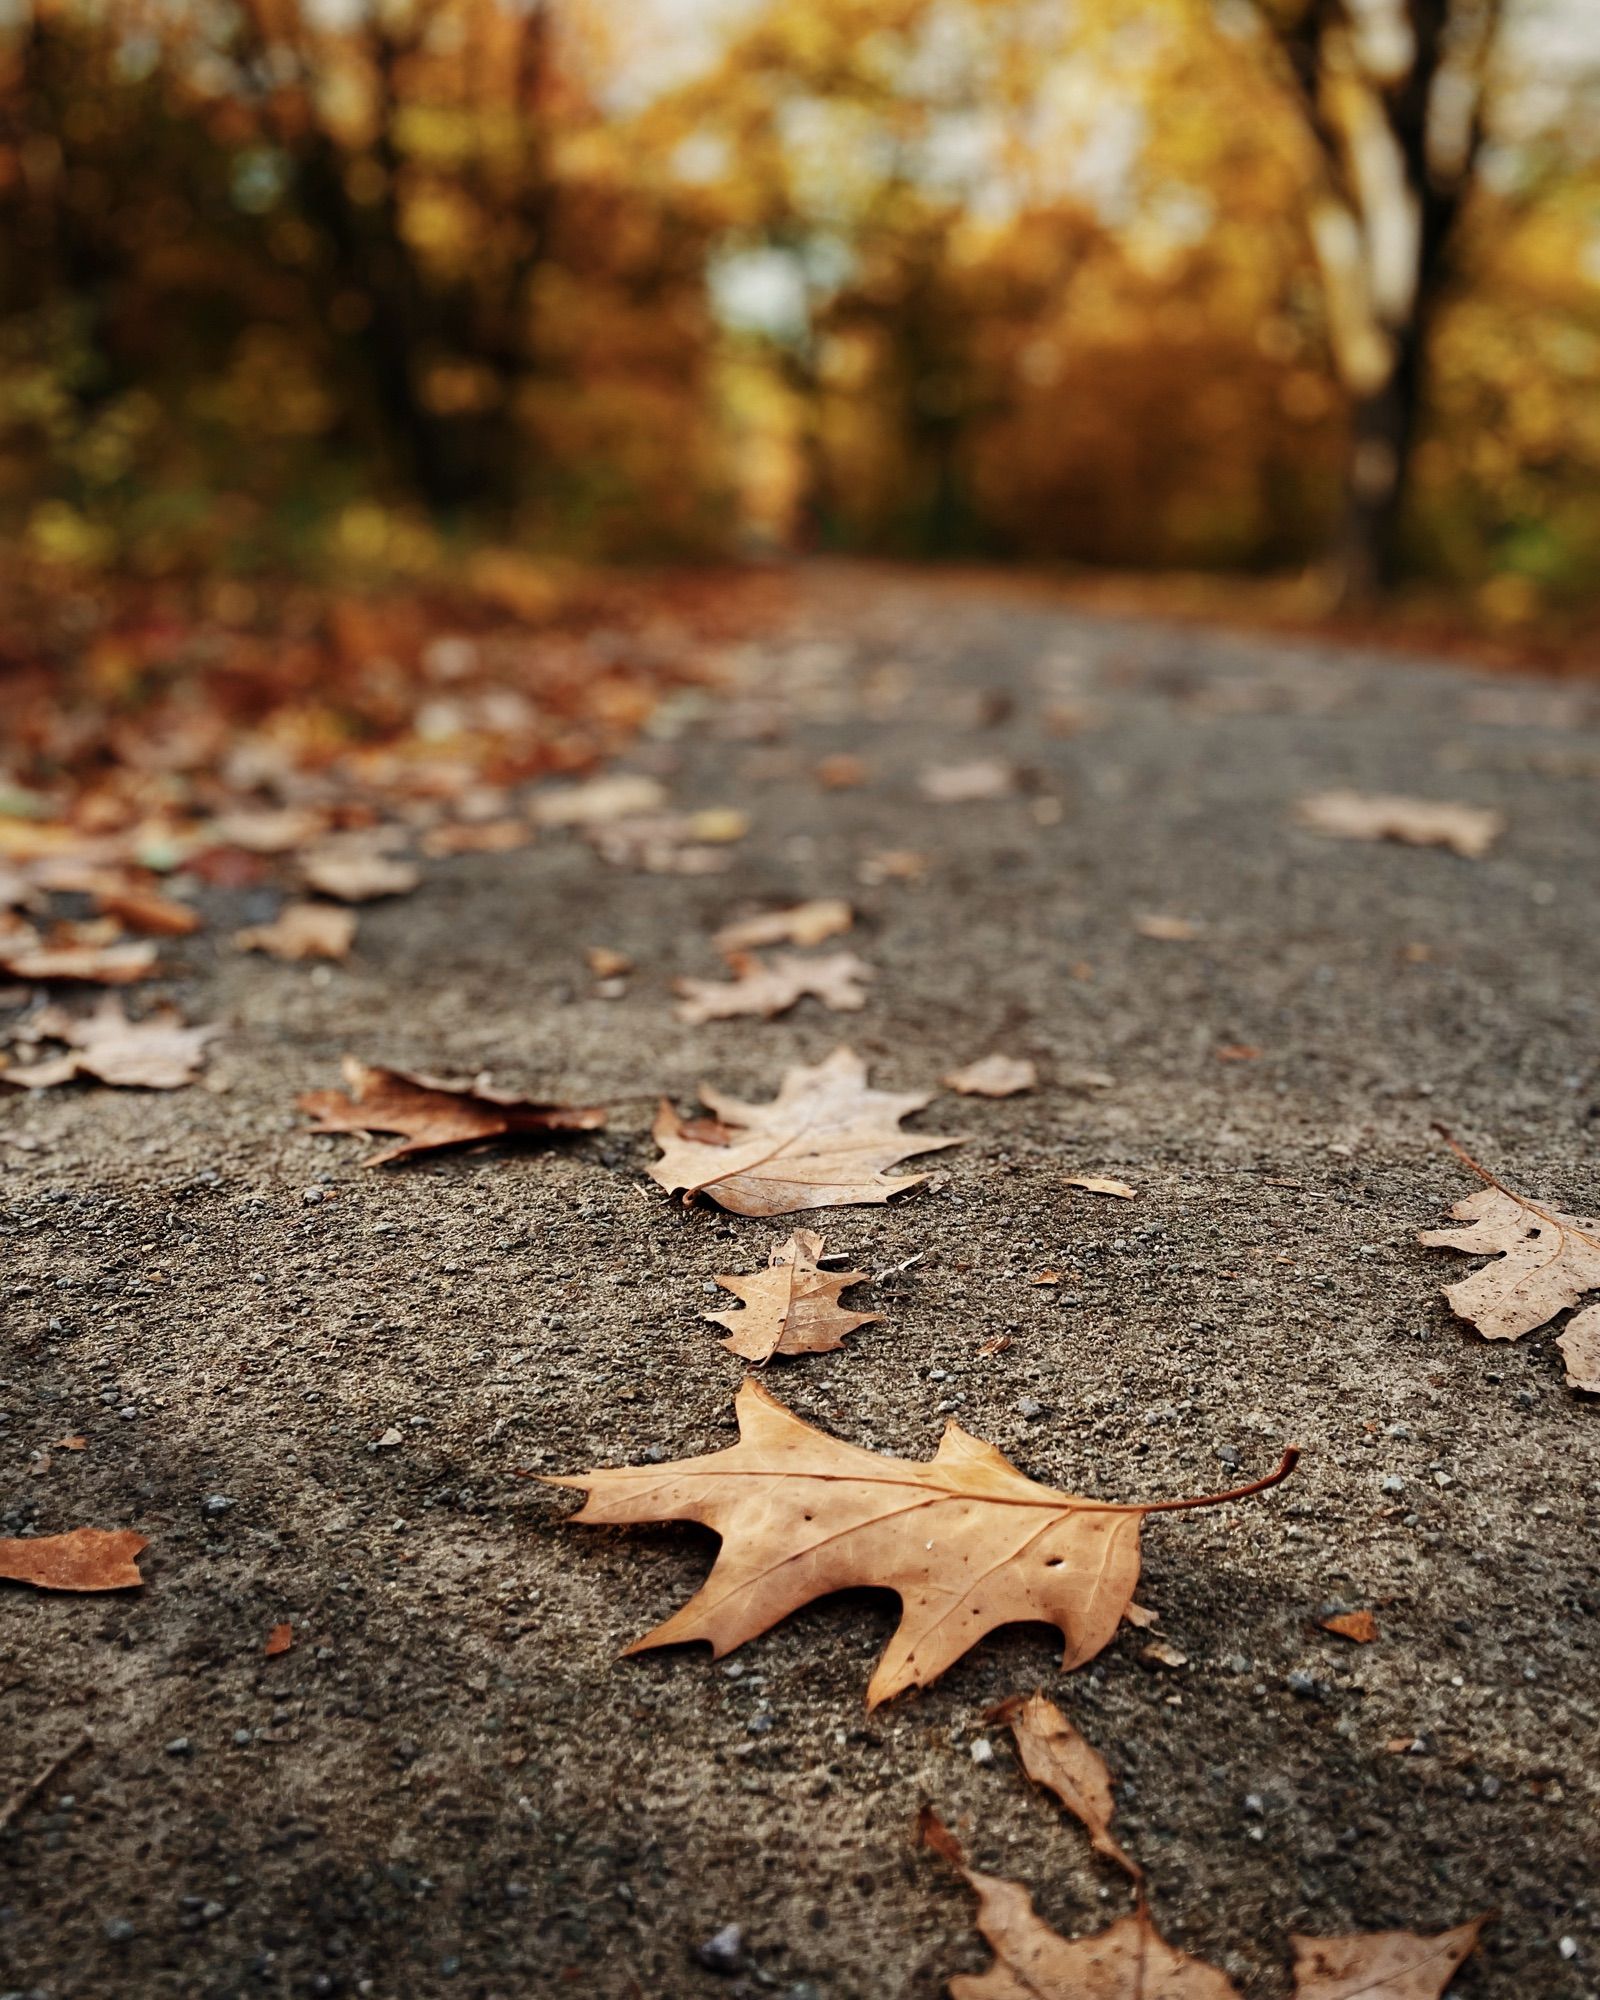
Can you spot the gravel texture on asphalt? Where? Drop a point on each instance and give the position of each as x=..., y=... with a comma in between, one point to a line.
x=452, y=1786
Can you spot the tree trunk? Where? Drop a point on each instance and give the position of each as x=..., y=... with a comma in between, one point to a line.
x=1383, y=435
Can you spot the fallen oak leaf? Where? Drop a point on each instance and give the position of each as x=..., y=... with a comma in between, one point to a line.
x=432, y=1112
x=1054, y=1755
x=891, y=864
x=1167, y=929
x=266, y=829
x=1359, y=1626
x=302, y=930
x=1129, y=1960
x=965, y=1540
x=791, y=1307
x=803, y=924
x=596, y=801
x=1381, y=1965
x=841, y=772
x=90, y=964
x=145, y=910
x=1096, y=1184
x=494, y=836
x=83, y=1559
x=279, y=1640
x=965, y=784
x=1469, y=831
x=1580, y=1350
x=605, y=963
x=158, y=1053
x=358, y=875
x=772, y=988
x=667, y=843
x=1543, y=1261
x=992, y=1076
x=823, y=1142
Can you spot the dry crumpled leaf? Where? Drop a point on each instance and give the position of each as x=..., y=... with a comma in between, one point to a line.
x=1167, y=929
x=158, y=1053
x=1544, y=1261
x=302, y=930
x=1130, y=1960
x=962, y=784
x=267, y=829
x=431, y=1112
x=26, y=956
x=624, y=795
x=145, y=910
x=670, y=843
x=771, y=987
x=1381, y=1965
x=965, y=1540
x=1580, y=1349
x=1097, y=1184
x=805, y=924
x=823, y=1142
x=605, y=963
x=1054, y=1755
x=891, y=864
x=494, y=836
x=1466, y=830
x=84, y=1559
x=992, y=1076
x=1359, y=1626
x=791, y=1307
x=358, y=875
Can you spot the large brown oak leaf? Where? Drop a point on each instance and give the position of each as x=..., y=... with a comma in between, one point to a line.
x=823, y=1142
x=965, y=1540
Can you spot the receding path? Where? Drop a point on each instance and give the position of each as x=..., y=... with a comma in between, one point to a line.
x=452, y=1786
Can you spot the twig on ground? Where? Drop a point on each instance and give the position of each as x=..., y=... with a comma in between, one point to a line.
x=20, y=1800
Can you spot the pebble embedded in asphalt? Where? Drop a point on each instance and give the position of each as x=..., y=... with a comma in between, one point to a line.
x=723, y=1952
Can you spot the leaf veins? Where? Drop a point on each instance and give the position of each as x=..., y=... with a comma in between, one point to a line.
x=965, y=1540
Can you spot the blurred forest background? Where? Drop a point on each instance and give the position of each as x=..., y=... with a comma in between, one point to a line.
x=359, y=286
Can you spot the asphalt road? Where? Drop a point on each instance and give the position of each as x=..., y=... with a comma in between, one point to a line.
x=452, y=1785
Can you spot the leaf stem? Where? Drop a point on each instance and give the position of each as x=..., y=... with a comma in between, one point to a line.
x=1286, y=1465
x=1474, y=1166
